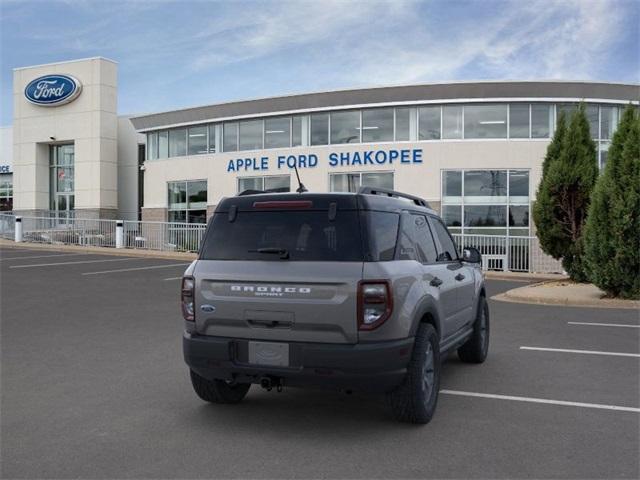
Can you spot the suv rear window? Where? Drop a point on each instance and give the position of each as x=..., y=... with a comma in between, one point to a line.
x=304, y=235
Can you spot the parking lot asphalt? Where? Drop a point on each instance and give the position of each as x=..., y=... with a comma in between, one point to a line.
x=93, y=385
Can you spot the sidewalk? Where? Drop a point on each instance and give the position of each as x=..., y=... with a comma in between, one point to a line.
x=564, y=292
x=127, y=252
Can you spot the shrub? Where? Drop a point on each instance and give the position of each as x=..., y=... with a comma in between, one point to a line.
x=563, y=198
x=612, y=245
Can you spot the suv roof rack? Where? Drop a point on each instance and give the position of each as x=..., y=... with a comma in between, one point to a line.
x=269, y=190
x=392, y=193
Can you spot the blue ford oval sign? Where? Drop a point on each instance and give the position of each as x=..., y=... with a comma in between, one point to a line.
x=53, y=90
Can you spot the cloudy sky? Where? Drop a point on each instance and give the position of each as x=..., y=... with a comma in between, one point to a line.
x=174, y=54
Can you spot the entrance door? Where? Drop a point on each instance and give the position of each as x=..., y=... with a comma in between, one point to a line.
x=62, y=181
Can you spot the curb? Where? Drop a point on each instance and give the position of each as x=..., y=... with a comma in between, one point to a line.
x=524, y=277
x=125, y=252
x=513, y=296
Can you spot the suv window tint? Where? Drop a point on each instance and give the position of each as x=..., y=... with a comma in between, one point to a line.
x=424, y=241
x=382, y=234
x=407, y=240
x=449, y=251
x=416, y=242
x=306, y=236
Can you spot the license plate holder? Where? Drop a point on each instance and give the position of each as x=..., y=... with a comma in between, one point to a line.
x=269, y=353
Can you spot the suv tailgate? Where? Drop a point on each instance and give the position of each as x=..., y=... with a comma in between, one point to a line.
x=278, y=300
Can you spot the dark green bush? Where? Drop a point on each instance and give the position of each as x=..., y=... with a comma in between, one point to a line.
x=569, y=174
x=612, y=233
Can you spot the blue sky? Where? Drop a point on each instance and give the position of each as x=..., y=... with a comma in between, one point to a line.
x=177, y=54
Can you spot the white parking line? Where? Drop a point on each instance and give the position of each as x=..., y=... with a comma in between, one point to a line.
x=172, y=278
x=622, y=325
x=541, y=400
x=588, y=352
x=138, y=268
x=75, y=263
x=41, y=256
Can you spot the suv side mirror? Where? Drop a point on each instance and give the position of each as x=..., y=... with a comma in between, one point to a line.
x=471, y=255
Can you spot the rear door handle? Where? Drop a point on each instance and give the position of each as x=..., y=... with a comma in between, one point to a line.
x=436, y=282
x=459, y=277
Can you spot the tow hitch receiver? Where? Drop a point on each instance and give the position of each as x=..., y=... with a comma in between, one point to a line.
x=268, y=383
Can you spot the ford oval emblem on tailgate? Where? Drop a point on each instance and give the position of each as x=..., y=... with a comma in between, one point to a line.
x=208, y=308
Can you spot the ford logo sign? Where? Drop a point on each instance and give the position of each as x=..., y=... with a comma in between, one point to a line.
x=53, y=90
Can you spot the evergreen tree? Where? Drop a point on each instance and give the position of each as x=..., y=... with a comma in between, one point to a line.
x=543, y=211
x=612, y=233
x=555, y=147
x=564, y=194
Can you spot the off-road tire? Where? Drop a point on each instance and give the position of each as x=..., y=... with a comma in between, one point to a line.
x=475, y=349
x=414, y=401
x=218, y=391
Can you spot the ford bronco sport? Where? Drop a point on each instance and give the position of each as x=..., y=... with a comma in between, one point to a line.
x=355, y=291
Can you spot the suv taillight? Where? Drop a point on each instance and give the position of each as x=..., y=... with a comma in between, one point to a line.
x=186, y=298
x=375, y=303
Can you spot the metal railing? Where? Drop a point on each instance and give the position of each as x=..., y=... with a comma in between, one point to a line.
x=7, y=226
x=69, y=231
x=163, y=236
x=516, y=254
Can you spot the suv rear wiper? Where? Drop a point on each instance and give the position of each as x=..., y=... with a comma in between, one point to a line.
x=283, y=252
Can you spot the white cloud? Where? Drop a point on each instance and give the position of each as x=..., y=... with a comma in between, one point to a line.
x=540, y=39
x=256, y=30
x=401, y=42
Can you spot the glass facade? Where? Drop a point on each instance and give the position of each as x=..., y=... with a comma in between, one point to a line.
x=230, y=137
x=345, y=127
x=197, y=140
x=519, y=120
x=280, y=182
x=377, y=125
x=485, y=121
x=163, y=144
x=383, y=124
x=251, y=135
x=429, y=123
x=187, y=201
x=541, y=120
x=452, y=121
x=351, y=182
x=319, y=129
x=178, y=142
x=61, y=179
x=296, y=131
x=277, y=132
x=6, y=192
x=488, y=202
x=403, y=124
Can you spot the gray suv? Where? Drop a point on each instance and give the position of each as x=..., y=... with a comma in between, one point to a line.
x=354, y=291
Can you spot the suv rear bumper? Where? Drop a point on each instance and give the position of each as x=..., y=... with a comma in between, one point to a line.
x=378, y=366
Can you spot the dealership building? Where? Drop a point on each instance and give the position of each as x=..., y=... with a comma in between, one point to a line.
x=473, y=150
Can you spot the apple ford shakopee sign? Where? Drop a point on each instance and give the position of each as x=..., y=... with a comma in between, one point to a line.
x=53, y=90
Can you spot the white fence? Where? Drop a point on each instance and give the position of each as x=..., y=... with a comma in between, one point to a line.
x=162, y=236
x=7, y=226
x=518, y=254
x=69, y=231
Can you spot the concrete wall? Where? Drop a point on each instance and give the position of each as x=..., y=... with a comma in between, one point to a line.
x=6, y=146
x=89, y=122
x=154, y=214
x=421, y=179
